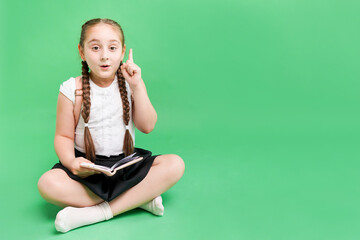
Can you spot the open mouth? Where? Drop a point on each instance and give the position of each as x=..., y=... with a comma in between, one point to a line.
x=104, y=67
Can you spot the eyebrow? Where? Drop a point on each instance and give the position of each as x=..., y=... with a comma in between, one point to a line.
x=97, y=40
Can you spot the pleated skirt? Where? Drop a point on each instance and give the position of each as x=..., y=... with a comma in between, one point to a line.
x=107, y=187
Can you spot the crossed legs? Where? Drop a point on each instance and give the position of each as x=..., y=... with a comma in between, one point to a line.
x=57, y=188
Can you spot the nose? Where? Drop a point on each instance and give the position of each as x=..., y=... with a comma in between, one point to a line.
x=104, y=55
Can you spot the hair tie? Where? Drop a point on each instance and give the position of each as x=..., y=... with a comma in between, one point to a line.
x=86, y=125
x=127, y=127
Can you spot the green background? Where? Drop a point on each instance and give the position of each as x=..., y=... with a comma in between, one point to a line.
x=260, y=98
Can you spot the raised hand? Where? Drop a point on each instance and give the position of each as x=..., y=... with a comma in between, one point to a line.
x=131, y=71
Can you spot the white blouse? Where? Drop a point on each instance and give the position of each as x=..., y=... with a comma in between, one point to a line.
x=106, y=123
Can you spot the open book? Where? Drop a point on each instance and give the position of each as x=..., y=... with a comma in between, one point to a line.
x=110, y=171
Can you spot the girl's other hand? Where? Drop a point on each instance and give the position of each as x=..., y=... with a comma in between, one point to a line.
x=80, y=171
x=131, y=71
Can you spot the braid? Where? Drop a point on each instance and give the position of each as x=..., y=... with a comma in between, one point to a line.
x=85, y=113
x=128, y=147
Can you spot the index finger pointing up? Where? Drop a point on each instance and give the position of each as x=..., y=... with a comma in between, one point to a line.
x=131, y=55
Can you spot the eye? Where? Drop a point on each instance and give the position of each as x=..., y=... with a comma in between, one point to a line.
x=113, y=48
x=95, y=47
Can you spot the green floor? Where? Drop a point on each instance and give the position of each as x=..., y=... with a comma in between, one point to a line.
x=260, y=99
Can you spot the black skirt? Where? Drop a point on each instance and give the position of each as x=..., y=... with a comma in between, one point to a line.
x=107, y=187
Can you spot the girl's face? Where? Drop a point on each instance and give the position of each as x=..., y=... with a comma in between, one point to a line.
x=102, y=46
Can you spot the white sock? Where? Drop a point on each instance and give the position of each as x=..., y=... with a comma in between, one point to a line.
x=71, y=217
x=154, y=206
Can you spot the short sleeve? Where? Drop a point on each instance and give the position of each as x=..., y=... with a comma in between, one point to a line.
x=68, y=89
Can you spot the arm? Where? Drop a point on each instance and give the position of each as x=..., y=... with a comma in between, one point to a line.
x=64, y=138
x=64, y=133
x=143, y=114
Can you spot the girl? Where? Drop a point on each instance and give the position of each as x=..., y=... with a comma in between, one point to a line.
x=98, y=112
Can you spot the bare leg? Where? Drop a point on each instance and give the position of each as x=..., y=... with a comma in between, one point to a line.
x=57, y=188
x=164, y=173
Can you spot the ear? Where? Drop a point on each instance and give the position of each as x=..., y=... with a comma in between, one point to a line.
x=123, y=52
x=81, y=53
